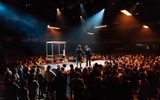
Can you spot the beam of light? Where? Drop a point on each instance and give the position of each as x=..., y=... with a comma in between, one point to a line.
x=126, y=12
x=58, y=12
x=82, y=19
x=133, y=8
x=54, y=28
x=21, y=22
x=102, y=26
x=90, y=33
x=80, y=33
x=2, y=7
x=82, y=9
x=96, y=19
x=60, y=18
x=146, y=34
x=145, y=26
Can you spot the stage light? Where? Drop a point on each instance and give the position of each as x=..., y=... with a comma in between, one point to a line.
x=28, y=5
x=145, y=26
x=54, y=28
x=81, y=6
x=58, y=12
x=83, y=12
x=90, y=33
x=96, y=19
x=103, y=10
x=126, y=12
x=133, y=8
x=102, y=26
x=82, y=19
x=81, y=33
x=60, y=19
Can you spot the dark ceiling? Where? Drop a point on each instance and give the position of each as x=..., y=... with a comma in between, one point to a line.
x=146, y=11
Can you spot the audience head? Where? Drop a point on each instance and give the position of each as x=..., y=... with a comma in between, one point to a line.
x=58, y=67
x=71, y=66
x=86, y=46
x=48, y=67
x=64, y=65
x=79, y=46
x=24, y=83
x=14, y=78
x=32, y=71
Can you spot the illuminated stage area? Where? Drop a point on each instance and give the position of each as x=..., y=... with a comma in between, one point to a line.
x=54, y=66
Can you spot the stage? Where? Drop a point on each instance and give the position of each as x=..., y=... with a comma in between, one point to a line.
x=54, y=66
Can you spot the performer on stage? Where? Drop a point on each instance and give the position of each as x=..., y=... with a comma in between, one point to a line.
x=88, y=54
x=79, y=53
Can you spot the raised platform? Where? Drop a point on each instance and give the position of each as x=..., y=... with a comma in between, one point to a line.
x=54, y=66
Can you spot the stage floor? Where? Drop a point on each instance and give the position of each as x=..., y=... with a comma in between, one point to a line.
x=54, y=66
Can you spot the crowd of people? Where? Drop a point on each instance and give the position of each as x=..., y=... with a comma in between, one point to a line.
x=121, y=77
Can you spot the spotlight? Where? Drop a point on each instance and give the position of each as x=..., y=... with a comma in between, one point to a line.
x=102, y=26
x=145, y=26
x=81, y=5
x=126, y=12
x=58, y=12
x=90, y=33
x=51, y=27
x=81, y=17
x=82, y=9
x=48, y=26
x=96, y=19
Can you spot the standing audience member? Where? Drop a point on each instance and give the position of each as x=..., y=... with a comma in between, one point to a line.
x=77, y=86
x=15, y=72
x=72, y=74
x=20, y=72
x=24, y=92
x=143, y=87
x=13, y=92
x=33, y=89
x=60, y=86
x=32, y=76
x=50, y=76
x=64, y=74
x=41, y=81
